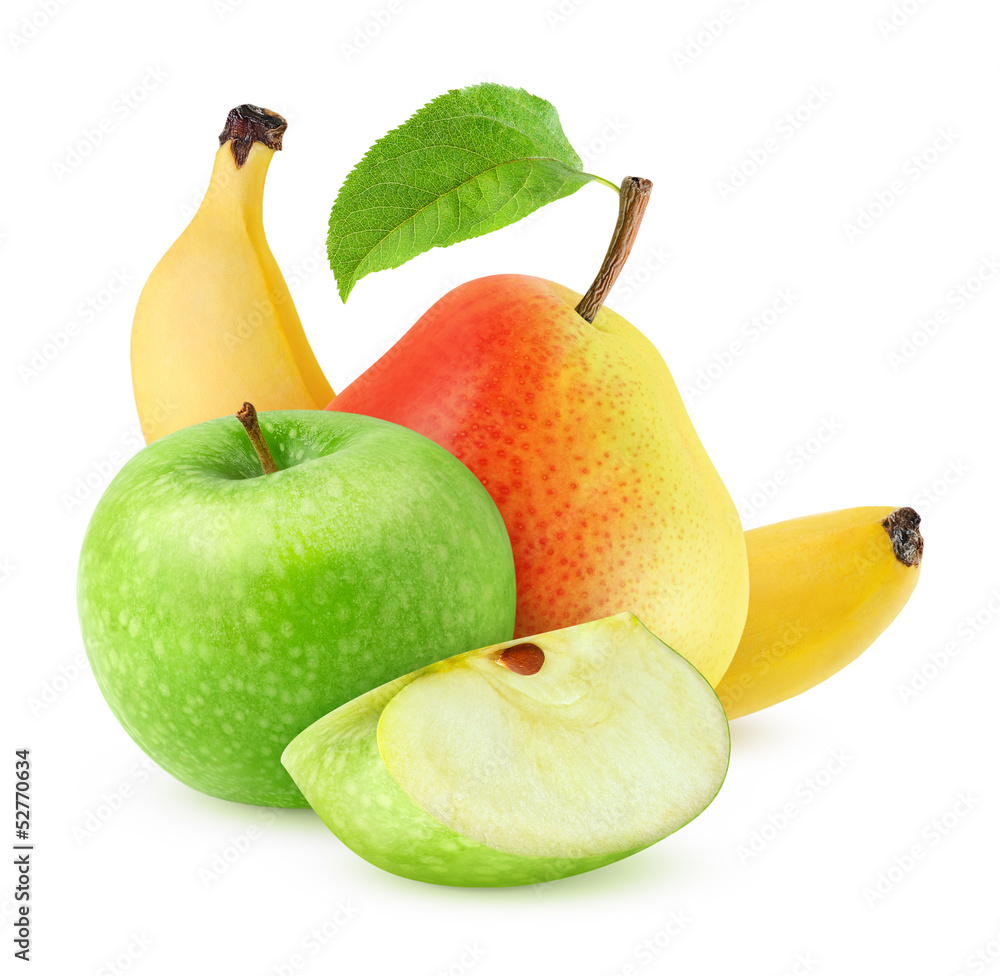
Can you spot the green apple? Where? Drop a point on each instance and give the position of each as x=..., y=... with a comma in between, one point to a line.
x=525, y=761
x=225, y=609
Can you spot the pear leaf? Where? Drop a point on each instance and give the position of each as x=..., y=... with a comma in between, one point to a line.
x=467, y=163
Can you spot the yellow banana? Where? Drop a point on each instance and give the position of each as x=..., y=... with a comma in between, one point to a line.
x=215, y=325
x=822, y=588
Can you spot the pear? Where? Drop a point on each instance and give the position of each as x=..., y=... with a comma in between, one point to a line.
x=570, y=418
x=521, y=762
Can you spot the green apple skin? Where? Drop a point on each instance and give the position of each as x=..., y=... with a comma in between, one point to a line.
x=371, y=813
x=338, y=764
x=225, y=610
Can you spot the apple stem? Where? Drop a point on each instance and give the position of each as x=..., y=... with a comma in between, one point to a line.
x=247, y=416
x=632, y=199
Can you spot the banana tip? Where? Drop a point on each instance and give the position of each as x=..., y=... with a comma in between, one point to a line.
x=904, y=532
x=247, y=124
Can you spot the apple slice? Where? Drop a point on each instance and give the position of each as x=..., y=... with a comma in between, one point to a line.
x=519, y=762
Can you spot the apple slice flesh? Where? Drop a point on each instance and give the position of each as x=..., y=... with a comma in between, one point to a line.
x=336, y=764
x=491, y=770
x=615, y=742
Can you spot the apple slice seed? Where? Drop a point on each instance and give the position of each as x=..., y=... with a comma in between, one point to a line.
x=523, y=659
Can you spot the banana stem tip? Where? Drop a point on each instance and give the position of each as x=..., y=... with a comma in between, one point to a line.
x=907, y=542
x=247, y=124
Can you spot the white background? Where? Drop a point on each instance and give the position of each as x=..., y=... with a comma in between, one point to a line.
x=921, y=430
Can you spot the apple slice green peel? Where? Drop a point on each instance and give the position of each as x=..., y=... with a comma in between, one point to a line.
x=519, y=762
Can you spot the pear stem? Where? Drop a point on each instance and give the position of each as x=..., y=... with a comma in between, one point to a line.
x=632, y=199
x=247, y=416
